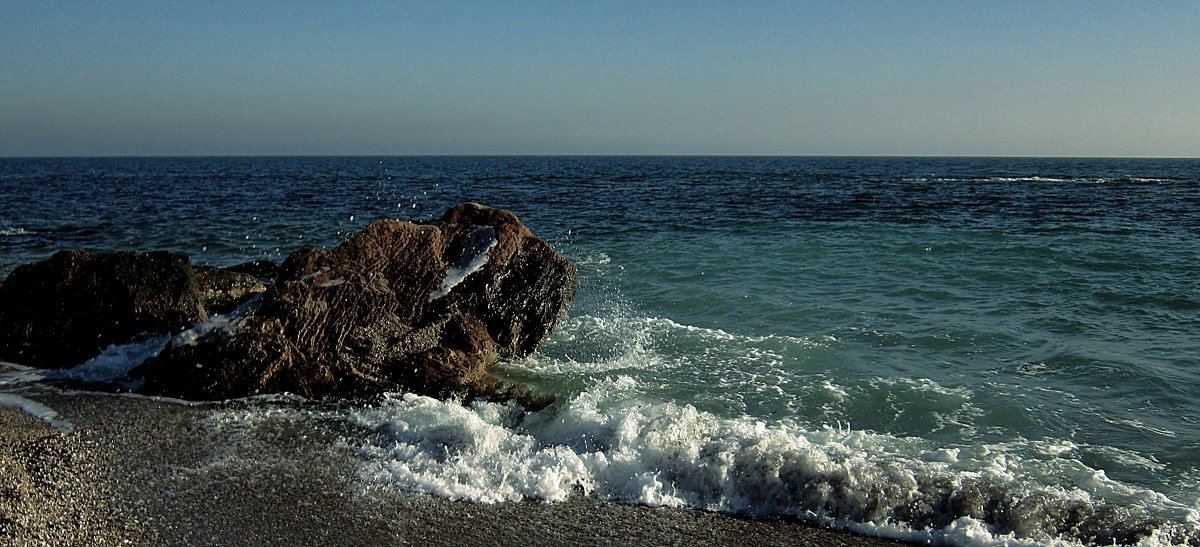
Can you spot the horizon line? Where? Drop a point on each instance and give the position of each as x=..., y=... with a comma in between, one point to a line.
x=586, y=155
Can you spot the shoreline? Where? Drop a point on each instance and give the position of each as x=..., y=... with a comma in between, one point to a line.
x=145, y=471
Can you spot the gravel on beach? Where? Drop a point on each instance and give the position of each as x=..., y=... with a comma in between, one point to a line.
x=140, y=471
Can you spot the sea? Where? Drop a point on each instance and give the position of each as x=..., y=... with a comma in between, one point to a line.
x=957, y=351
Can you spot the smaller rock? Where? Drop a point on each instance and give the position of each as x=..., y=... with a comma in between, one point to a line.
x=64, y=310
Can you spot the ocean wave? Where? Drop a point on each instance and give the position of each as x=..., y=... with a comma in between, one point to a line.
x=656, y=412
x=15, y=232
x=599, y=343
x=109, y=368
x=610, y=442
x=1045, y=179
x=617, y=439
x=728, y=372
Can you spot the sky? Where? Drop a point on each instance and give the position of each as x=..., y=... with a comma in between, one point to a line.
x=975, y=77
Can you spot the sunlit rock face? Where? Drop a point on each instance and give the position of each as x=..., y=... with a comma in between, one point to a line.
x=401, y=306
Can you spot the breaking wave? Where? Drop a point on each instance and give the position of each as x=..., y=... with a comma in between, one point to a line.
x=611, y=442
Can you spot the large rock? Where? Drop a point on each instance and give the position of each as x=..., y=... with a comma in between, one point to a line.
x=400, y=306
x=63, y=310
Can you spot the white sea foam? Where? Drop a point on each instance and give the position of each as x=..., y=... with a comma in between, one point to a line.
x=15, y=232
x=634, y=343
x=476, y=245
x=594, y=258
x=38, y=410
x=217, y=325
x=923, y=385
x=611, y=441
x=1139, y=426
x=13, y=374
x=111, y=366
x=1040, y=179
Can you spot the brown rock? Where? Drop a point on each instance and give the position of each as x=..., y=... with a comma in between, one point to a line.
x=64, y=310
x=222, y=290
x=400, y=306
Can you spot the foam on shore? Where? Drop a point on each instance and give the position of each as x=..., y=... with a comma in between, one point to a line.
x=608, y=442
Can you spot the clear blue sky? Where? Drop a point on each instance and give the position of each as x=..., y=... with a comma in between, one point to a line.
x=1043, y=78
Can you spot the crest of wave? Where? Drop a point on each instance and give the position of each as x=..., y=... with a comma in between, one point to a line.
x=608, y=442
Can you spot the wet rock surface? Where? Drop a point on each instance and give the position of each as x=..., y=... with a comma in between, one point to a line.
x=426, y=308
x=222, y=290
x=63, y=310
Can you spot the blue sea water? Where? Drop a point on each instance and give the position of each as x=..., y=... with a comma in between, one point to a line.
x=956, y=350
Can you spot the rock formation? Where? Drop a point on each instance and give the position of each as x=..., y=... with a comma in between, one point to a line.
x=400, y=306
x=63, y=310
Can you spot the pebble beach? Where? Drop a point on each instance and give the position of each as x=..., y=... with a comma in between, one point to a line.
x=141, y=471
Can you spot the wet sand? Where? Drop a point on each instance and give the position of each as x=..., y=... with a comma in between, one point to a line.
x=143, y=471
